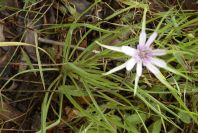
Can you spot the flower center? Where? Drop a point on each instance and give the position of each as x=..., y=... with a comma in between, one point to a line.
x=144, y=54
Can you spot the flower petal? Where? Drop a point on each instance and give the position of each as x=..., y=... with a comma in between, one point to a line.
x=128, y=50
x=152, y=68
x=115, y=69
x=159, y=52
x=136, y=84
x=142, y=38
x=151, y=39
x=139, y=69
x=130, y=64
x=114, y=48
x=158, y=62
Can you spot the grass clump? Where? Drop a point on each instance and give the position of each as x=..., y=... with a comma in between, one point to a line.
x=56, y=62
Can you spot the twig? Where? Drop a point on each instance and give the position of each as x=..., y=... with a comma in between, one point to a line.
x=52, y=42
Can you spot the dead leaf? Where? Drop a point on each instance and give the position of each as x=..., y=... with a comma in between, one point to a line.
x=4, y=59
x=190, y=5
x=31, y=39
x=80, y=5
x=36, y=125
x=2, y=37
x=156, y=6
x=76, y=7
x=71, y=113
x=9, y=113
x=83, y=100
x=12, y=3
x=4, y=56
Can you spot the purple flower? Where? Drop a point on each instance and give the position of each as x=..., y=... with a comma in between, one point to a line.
x=144, y=55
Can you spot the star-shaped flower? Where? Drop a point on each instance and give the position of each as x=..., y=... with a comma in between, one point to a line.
x=144, y=55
